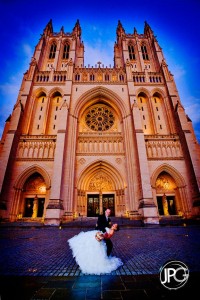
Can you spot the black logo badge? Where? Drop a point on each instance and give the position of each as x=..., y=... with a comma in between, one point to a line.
x=174, y=274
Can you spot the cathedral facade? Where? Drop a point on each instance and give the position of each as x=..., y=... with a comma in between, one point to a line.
x=82, y=139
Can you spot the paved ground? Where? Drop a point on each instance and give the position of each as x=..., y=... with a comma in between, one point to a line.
x=36, y=263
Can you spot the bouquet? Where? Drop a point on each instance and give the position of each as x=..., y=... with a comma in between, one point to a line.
x=99, y=236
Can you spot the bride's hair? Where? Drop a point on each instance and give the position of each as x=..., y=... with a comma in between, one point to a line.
x=117, y=229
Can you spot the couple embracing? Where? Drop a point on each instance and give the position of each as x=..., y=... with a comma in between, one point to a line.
x=92, y=249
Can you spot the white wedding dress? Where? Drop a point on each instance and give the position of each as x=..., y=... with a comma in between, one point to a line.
x=91, y=255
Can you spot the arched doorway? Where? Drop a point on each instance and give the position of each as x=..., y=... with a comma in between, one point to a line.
x=33, y=198
x=166, y=194
x=170, y=193
x=104, y=196
x=100, y=186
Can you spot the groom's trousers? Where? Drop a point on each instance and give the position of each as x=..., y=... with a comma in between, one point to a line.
x=109, y=246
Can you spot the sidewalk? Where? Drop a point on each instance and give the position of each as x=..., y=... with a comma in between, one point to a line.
x=36, y=263
x=108, y=287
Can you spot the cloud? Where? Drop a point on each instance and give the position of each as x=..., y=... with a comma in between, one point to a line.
x=197, y=133
x=178, y=71
x=193, y=109
x=8, y=95
x=191, y=103
x=10, y=88
x=5, y=111
x=28, y=51
x=99, y=52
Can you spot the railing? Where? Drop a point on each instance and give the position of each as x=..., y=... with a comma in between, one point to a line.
x=163, y=147
x=106, y=75
x=149, y=77
x=99, y=75
x=100, y=144
x=36, y=147
x=48, y=76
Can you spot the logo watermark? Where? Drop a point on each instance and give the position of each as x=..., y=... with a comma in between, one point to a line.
x=174, y=274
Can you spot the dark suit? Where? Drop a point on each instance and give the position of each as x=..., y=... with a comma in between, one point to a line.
x=102, y=223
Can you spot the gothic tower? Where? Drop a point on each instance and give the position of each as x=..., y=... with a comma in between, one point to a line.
x=81, y=139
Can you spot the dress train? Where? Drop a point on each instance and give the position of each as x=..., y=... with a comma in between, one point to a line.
x=91, y=255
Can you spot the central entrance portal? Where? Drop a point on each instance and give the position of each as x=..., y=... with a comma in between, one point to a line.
x=108, y=202
x=94, y=201
x=93, y=205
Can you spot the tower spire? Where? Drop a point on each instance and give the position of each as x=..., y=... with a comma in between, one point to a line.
x=147, y=29
x=62, y=29
x=120, y=29
x=49, y=28
x=77, y=28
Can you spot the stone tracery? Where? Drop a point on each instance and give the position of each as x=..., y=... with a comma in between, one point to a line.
x=99, y=117
x=100, y=182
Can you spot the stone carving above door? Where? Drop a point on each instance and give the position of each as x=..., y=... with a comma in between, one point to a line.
x=101, y=182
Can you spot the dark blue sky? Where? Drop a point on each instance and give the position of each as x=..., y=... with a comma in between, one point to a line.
x=176, y=23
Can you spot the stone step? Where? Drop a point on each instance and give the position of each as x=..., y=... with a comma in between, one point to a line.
x=85, y=222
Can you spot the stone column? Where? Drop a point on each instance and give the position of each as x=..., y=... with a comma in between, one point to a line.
x=100, y=203
x=165, y=205
x=7, y=155
x=55, y=206
x=35, y=207
x=147, y=206
x=17, y=208
x=185, y=204
x=69, y=169
x=190, y=151
x=131, y=166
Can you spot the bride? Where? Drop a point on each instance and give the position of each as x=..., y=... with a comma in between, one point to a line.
x=90, y=252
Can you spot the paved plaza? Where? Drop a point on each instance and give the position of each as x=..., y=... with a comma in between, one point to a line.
x=36, y=263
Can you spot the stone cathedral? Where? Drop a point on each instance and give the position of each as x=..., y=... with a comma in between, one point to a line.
x=81, y=139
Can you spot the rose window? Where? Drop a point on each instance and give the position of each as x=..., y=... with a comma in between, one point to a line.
x=99, y=118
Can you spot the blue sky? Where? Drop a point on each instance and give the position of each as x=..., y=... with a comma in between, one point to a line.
x=175, y=23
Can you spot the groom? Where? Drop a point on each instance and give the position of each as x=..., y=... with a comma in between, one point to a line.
x=103, y=222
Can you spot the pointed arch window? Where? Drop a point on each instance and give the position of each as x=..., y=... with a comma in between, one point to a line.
x=107, y=77
x=77, y=77
x=66, y=51
x=91, y=77
x=144, y=52
x=131, y=52
x=52, y=53
x=121, y=77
